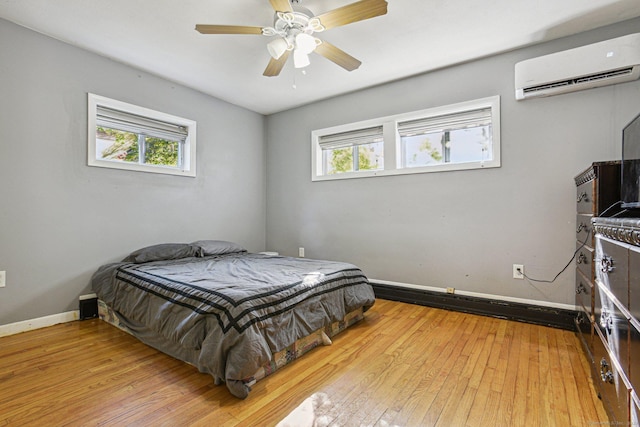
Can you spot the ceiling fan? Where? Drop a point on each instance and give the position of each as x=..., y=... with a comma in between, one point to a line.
x=294, y=27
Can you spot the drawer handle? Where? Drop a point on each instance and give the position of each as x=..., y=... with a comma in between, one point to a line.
x=605, y=372
x=582, y=318
x=581, y=289
x=582, y=197
x=606, y=264
x=582, y=259
x=606, y=320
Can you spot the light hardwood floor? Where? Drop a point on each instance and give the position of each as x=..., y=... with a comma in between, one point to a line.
x=404, y=365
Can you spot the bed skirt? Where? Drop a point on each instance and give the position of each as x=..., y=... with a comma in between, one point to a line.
x=278, y=360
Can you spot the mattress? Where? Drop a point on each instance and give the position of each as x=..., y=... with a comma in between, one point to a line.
x=231, y=315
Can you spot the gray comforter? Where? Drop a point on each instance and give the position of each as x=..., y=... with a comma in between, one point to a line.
x=228, y=314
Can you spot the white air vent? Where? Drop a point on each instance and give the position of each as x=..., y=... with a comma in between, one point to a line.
x=600, y=64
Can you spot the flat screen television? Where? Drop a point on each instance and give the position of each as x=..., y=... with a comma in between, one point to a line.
x=630, y=185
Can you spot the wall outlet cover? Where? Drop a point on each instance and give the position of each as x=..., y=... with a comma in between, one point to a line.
x=518, y=271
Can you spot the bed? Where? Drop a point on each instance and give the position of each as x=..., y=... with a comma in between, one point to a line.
x=235, y=315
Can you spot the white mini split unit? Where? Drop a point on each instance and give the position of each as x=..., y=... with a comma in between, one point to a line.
x=599, y=64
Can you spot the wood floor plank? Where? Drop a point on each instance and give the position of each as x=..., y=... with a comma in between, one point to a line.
x=403, y=365
x=503, y=347
x=576, y=414
x=480, y=402
x=532, y=413
x=544, y=373
x=592, y=407
x=490, y=416
x=522, y=381
x=509, y=358
x=434, y=399
x=557, y=380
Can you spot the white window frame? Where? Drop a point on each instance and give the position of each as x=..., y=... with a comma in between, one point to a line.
x=393, y=147
x=189, y=147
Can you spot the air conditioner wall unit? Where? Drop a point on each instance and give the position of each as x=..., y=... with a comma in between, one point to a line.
x=599, y=64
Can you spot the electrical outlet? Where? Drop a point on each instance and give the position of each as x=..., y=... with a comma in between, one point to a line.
x=301, y=252
x=518, y=271
x=3, y=279
x=451, y=290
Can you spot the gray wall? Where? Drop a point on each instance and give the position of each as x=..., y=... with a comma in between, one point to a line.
x=453, y=229
x=60, y=219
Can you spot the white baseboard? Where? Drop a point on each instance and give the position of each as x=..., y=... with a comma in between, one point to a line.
x=479, y=295
x=41, y=322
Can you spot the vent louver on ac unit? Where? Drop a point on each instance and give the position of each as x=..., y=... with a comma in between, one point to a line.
x=608, y=62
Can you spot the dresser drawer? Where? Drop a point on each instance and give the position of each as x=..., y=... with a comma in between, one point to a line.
x=613, y=326
x=634, y=356
x=612, y=268
x=585, y=198
x=584, y=293
x=634, y=280
x=614, y=392
x=584, y=326
x=584, y=259
x=635, y=410
x=584, y=229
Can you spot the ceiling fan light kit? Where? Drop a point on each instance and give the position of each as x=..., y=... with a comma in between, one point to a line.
x=294, y=27
x=300, y=59
x=306, y=43
x=292, y=39
x=278, y=47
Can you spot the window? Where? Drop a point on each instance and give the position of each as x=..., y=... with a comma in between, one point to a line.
x=352, y=151
x=125, y=136
x=453, y=137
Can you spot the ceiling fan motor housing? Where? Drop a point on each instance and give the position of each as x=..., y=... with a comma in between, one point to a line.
x=301, y=20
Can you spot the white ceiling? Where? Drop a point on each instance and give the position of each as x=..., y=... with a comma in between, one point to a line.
x=415, y=36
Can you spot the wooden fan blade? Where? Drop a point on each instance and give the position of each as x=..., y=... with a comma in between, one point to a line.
x=275, y=65
x=338, y=56
x=354, y=12
x=281, y=5
x=227, y=29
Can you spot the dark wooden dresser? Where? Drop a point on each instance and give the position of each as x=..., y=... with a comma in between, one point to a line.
x=598, y=188
x=616, y=339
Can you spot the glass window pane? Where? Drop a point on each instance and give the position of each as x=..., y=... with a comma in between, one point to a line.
x=471, y=144
x=161, y=152
x=116, y=145
x=455, y=146
x=341, y=160
x=370, y=156
x=422, y=150
x=338, y=160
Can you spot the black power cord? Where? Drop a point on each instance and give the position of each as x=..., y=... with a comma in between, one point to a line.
x=577, y=250
x=565, y=267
